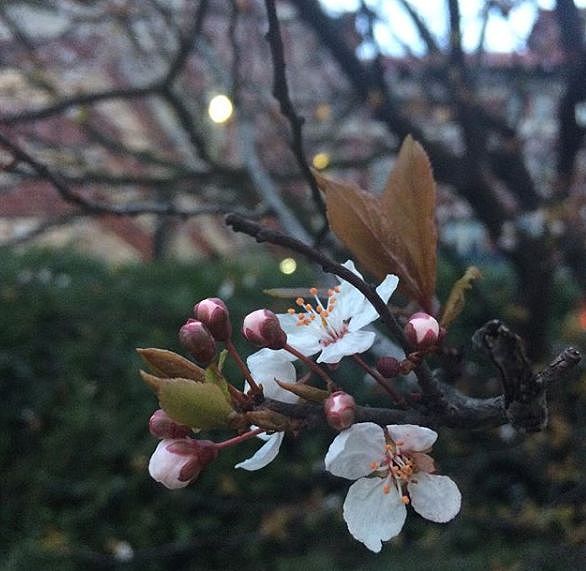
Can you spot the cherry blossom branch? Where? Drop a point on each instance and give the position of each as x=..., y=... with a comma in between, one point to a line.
x=261, y=234
x=429, y=385
x=462, y=412
x=523, y=403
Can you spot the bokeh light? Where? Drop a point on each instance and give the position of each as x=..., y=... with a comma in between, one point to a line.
x=220, y=109
x=287, y=266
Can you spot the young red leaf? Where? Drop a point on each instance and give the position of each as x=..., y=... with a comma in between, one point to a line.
x=393, y=233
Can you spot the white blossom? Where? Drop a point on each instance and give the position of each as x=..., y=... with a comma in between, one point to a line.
x=334, y=330
x=265, y=367
x=391, y=470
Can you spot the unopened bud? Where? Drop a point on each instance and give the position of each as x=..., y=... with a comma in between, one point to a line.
x=214, y=314
x=161, y=425
x=422, y=331
x=197, y=339
x=177, y=462
x=262, y=328
x=340, y=408
x=388, y=367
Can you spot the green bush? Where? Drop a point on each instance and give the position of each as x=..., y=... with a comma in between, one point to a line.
x=74, y=445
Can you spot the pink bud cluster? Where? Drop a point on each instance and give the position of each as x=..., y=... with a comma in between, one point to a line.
x=212, y=324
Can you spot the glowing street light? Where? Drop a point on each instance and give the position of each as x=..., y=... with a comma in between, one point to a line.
x=220, y=109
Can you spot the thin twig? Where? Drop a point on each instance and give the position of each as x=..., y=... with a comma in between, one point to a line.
x=91, y=206
x=281, y=93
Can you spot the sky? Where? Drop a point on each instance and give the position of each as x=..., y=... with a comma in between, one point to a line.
x=502, y=35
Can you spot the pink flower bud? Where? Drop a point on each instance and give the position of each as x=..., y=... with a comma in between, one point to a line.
x=340, y=408
x=388, y=367
x=196, y=338
x=161, y=425
x=177, y=462
x=262, y=328
x=214, y=314
x=422, y=331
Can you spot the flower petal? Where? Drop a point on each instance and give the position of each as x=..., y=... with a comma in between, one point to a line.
x=265, y=454
x=266, y=366
x=371, y=515
x=367, y=313
x=436, y=498
x=165, y=466
x=423, y=462
x=354, y=342
x=349, y=299
x=351, y=453
x=304, y=338
x=412, y=437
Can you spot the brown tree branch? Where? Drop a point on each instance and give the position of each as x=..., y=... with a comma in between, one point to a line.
x=91, y=206
x=281, y=94
x=461, y=412
x=429, y=385
x=524, y=391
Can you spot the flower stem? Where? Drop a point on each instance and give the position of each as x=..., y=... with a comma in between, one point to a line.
x=238, y=396
x=242, y=366
x=380, y=380
x=313, y=366
x=238, y=439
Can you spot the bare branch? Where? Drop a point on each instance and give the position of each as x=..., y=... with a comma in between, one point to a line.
x=281, y=93
x=186, y=44
x=422, y=29
x=525, y=403
x=90, y=206
x=78, y=100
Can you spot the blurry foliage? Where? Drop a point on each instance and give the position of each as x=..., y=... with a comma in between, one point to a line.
x=74, y=443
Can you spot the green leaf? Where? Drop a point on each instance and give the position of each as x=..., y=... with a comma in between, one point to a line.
x=214, y=376
x=200, y=405
x=222, y=359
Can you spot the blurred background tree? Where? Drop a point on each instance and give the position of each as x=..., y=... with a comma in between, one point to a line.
x=128, y=128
